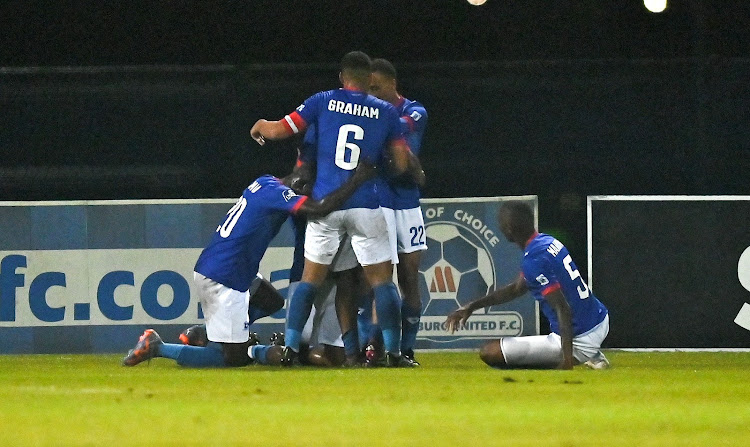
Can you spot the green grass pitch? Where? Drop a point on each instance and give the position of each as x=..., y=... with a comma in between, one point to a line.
x=646, y=399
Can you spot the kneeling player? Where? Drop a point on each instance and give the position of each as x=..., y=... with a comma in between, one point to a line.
x=578, y=320
x=228, y=266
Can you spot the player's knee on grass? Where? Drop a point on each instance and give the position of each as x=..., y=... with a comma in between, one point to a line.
x=492, y=354
x=235, y=354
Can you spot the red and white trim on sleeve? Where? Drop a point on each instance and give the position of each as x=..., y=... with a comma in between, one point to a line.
x=409, y=122
x=299, y=203
x=551, y=288
x=294, y=122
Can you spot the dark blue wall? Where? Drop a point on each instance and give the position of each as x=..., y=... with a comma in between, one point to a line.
x=558, y=129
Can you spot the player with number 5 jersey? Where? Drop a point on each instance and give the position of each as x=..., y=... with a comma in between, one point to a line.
x=579, y=322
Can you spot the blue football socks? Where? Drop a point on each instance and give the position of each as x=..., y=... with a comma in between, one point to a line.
x=259, y=353
x=194, y=356
x=388, y=307
x=364, y=321
x=351, y=342
x=409, y=326
x=299, y=311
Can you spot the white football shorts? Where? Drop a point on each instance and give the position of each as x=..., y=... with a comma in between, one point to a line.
x=345, y=258
x=322, y=327
x=545, y=351
x=406, y=230
x=224, y=310
x=366, y=227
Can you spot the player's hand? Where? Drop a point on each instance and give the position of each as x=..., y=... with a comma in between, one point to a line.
x=365, y=170
x=457, y=318
x=419, y=177
x=255, y=132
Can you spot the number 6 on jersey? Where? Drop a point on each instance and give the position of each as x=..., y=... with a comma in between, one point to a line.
x=342, y=144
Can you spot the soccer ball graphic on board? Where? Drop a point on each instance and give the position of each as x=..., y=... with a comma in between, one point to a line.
x=455, y=269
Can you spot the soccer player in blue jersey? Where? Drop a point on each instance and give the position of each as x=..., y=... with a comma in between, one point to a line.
x=351, y=126
x=400, y=201
x=229, y=264
x=578, y=320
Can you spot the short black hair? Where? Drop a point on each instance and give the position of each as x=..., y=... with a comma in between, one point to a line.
x=356, y=64
x=385, y=67
x=520, y=217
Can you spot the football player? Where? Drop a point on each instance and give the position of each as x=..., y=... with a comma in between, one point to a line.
x=579, y=322
x=400, y=201
x=229, y=264
x=351, y=126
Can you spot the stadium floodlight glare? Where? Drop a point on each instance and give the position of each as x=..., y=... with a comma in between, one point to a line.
x=655, y=5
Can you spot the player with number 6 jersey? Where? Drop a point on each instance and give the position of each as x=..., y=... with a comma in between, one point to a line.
x=343, y=118
x=351, y=126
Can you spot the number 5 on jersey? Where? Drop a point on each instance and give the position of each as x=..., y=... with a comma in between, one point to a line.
x=583, y=292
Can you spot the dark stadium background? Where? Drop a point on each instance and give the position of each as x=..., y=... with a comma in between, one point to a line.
x=563, y=99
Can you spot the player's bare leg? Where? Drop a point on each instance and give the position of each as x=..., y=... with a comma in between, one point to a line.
x=411, y=308
x=492, y=354
x=314, y=273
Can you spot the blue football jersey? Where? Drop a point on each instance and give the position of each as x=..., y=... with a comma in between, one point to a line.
x=309, y=147
x=241, y=239
x=547, y=266
x=403, y=193
x=350, y=126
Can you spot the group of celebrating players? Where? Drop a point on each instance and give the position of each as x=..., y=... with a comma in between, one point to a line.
x=354, y=199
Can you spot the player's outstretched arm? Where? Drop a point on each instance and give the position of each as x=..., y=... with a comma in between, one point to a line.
x=558, y=302
x=507, y=293
x=333, y=201
x=264, y=130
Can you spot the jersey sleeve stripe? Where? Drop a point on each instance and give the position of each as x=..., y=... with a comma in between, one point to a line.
x=294, y=122
x=551, y=288
x=409, y=122
x=290, y=124
x=299, y=203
